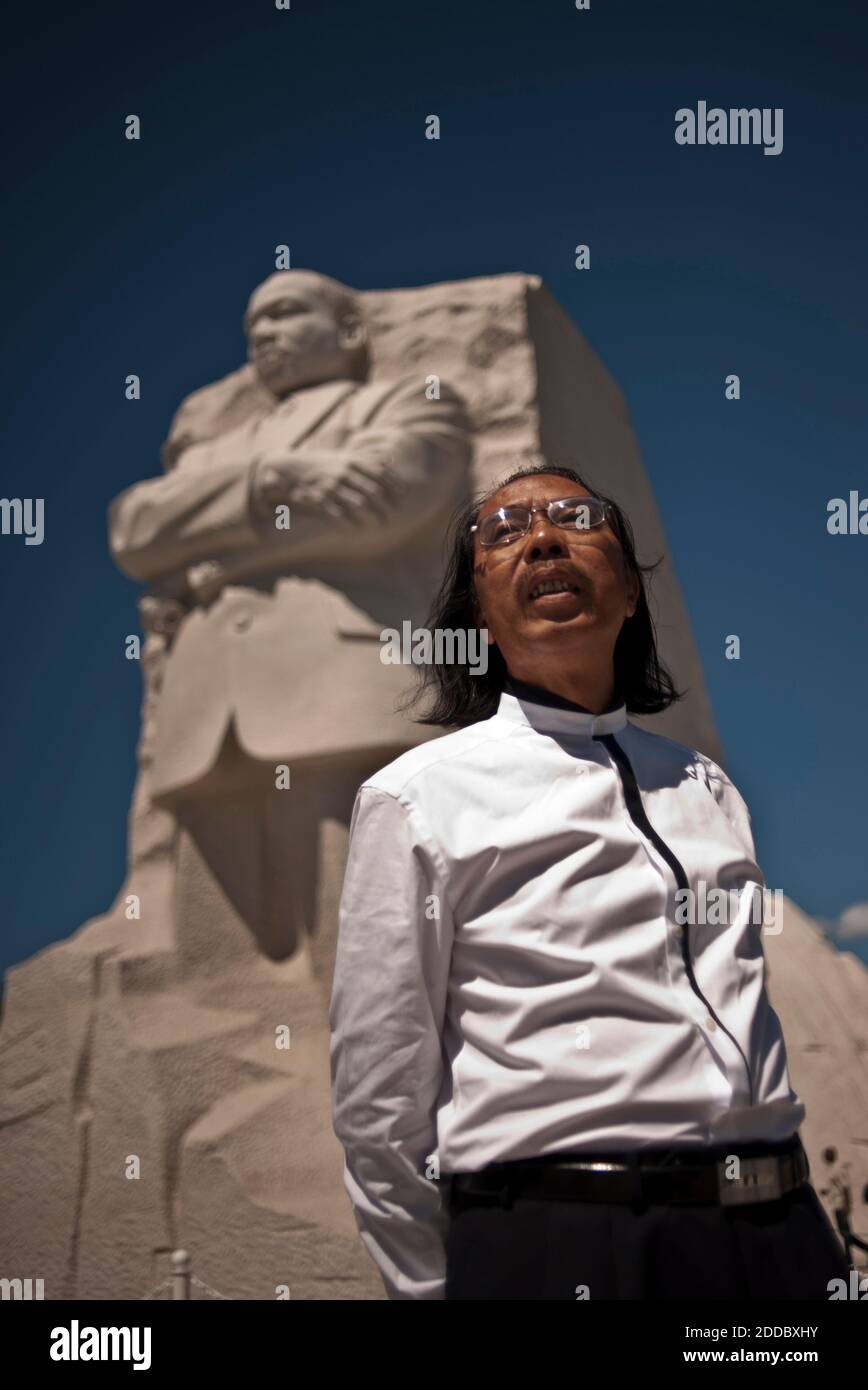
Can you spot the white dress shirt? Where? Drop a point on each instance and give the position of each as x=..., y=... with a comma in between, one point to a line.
x=510, y=977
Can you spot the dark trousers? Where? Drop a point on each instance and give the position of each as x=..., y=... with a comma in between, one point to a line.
x=554, y=1249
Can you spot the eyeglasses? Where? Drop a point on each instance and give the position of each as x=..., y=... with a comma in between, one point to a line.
x=573, y=513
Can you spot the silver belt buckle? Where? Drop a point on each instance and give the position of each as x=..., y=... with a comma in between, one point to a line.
x=759, y=1180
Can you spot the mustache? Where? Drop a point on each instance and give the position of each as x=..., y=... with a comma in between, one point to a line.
x=562, y=571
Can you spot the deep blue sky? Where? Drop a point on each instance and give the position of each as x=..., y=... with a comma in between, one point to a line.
x=557, y=127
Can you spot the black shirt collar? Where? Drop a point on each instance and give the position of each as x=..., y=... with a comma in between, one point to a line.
x=523, y=690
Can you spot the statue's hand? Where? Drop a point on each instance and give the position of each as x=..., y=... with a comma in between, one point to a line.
x=332, y=483
x=359, y=493
x=205, y=580
x=272, y=486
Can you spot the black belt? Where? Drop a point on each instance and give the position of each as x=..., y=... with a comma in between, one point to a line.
x=763, y=1173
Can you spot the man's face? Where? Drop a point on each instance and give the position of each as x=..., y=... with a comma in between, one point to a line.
x=294, y=337
x=587, y=618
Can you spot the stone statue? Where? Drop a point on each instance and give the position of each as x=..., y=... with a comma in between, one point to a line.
x=268, y=690
x=368, y=473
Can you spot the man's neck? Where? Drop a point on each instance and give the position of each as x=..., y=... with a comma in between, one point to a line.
x=594, y=697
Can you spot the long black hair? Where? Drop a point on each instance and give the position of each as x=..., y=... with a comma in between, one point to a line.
x=452, y=696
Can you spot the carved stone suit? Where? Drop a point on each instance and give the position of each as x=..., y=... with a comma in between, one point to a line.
x=286, y=641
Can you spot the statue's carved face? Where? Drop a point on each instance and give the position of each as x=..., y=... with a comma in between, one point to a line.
x=295, y=338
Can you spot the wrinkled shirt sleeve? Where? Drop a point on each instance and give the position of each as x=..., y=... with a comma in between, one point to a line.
x=733, y=805
x=386, y=1019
